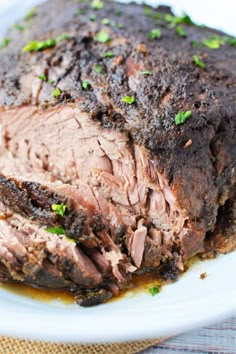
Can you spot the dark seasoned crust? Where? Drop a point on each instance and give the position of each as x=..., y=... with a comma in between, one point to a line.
x=92, y=298
x=222, y=239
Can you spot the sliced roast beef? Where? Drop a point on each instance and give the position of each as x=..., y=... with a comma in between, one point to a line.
x=89, y=122
x=31, y=254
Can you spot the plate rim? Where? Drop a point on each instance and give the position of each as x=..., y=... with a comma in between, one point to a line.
x=139, y=324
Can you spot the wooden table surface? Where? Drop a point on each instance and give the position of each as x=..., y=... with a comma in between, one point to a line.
x=218, y=339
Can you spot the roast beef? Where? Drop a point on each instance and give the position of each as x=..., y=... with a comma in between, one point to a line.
x=88, y=113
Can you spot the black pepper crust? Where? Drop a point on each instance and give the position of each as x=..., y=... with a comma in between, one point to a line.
x=201, y=174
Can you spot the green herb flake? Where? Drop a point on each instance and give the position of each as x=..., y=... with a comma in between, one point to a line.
x=59, y=209
x=198, y=62
x=86, y=85
x=214, y=42
x=98, y=68
x=187, y=20
x=171, y=20
x=211, y=43
x=97, y=4
x=37, y=46
x=108, y=55
x=153, y=14
x=30, y=14
x=120, y=25
x=181, y=117
x=148, y=10
x=80, y=12
x=42, y=77
x=181, y=32
x=128, y=99
x=102, y=37
x=155, y=33
x=59, y=230
x=105, y=21
x=5, y=42
x=51, y=81
x=154, y=290
x=145, y=73
x=232, y=41
x=56, y=92
x=175, y=20
x=92, y=18
x=62, y=37
x=157, y=15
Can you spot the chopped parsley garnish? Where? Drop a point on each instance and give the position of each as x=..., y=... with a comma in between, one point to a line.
x=198, y=62
x=56, y=92
x=62, y=37
x=5, y=42
x=157, y=15
x=97, y=4
x=175, y=20
x=154, y=14
x=92, y=18
x=128, y=99
x=59, y=230
x=181, y=117
x=108, y=55
x=86, y=85
x=105, y=21
x=155, y=33
x=98, y=68
x=145, y=72
x=154, y=290
x=30, y=14
x=214, y=42
x=42, y=77
x=181, y=32
x=37, y=46
x=102, y=37
x=187, y=20
x=211, y=43
x=80, y=12
x=147, y=10
x=59, y=209
x=232, y=41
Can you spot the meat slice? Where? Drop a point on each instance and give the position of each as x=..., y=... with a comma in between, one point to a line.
x=102, y=234
x=32, y=255
x=89, y=123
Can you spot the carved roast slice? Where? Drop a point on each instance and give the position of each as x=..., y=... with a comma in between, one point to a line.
x=88, y=122
x=118, y=239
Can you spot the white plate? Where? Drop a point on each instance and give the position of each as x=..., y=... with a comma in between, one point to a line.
x=184, y=305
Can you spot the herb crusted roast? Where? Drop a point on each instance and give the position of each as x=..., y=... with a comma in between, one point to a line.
x=118, y=146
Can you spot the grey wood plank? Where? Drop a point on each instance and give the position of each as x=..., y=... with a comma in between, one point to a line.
x=217, y=339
